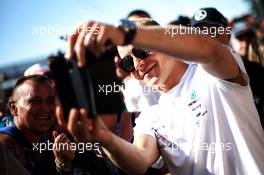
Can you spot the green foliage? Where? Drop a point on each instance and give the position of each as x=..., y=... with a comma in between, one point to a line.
x=257, y=7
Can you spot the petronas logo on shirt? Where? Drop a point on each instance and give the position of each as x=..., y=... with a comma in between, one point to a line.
x=197, y=107
x=193, y=94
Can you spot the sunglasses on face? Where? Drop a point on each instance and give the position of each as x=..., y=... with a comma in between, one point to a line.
x=127, y=63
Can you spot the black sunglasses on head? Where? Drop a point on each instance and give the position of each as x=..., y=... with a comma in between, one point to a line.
x=127, y=63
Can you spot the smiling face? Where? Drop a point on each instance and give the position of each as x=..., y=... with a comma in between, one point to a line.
x=157, y=70
x=34, y=106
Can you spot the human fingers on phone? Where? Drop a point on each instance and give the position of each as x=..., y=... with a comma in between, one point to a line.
x=72, y=123
x=104, y=41
x=60, y=118
x=76, y=37
x=71, y=40
x=91, y=39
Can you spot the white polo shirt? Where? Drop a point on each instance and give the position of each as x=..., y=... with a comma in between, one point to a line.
x=206, y=125
x=139, y=97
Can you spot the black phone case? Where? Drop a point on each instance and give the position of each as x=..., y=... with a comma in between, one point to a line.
x=86, y=87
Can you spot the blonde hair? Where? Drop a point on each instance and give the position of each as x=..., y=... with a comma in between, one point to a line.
x=256, y=51
x=146, y=22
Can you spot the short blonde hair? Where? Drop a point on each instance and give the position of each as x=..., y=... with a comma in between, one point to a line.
x=146, y=22
x=256, y=51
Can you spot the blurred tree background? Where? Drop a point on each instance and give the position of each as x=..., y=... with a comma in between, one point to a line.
x=257, y=7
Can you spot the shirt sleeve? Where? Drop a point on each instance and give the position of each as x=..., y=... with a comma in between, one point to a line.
x=144, y=122
x=225, y=83
x=239, y=61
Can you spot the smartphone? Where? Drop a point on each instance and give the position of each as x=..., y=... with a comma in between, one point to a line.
x=94, y=87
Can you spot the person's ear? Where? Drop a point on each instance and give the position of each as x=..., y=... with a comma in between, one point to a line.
x=12, y=107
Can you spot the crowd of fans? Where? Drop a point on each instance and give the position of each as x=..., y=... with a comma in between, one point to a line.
x=33, y=117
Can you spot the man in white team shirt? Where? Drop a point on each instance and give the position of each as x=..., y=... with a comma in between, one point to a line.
x=205, y=122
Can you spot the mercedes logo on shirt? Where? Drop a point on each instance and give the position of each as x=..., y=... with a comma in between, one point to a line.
x=200, y=15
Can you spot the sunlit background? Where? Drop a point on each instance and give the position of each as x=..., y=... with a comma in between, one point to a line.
x=22, y=21
x=30, y=29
